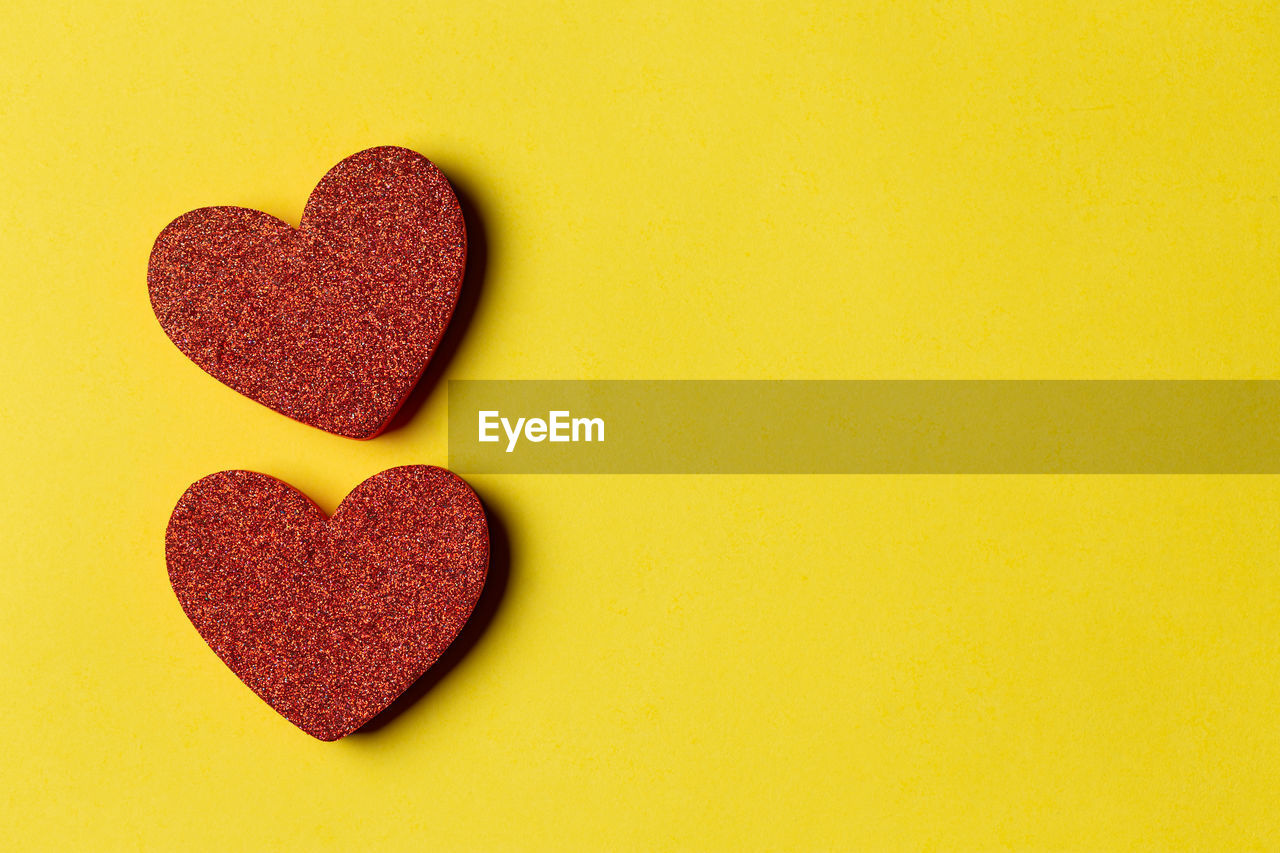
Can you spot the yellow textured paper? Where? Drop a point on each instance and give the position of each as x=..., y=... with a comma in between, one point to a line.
x=668, y=190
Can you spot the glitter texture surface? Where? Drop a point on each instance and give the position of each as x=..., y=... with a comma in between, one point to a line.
x=329, y=619
x=330, y=323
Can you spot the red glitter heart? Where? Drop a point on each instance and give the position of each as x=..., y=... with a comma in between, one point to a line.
x=330, y=323
x=329, y=619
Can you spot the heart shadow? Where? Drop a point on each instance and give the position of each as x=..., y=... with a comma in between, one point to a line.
x=495, y=588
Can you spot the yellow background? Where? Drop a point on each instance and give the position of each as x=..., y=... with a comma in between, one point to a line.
x=675, y=190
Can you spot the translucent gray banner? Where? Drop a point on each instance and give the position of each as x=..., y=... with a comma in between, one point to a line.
x=865, y=427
